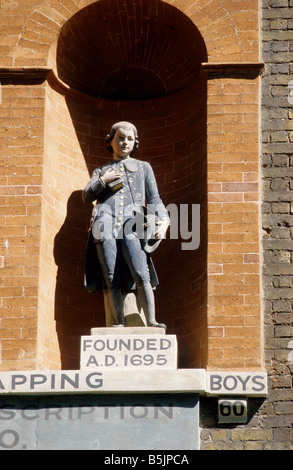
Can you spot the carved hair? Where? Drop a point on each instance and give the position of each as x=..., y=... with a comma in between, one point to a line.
x=122, y=125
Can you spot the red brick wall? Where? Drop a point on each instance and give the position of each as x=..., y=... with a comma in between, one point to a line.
x=234, y=258
x=21, y=157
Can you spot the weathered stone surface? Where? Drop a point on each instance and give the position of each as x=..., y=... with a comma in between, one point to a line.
x=129, y=351
x=110, y=381
x=134, y=330
x=100, y=423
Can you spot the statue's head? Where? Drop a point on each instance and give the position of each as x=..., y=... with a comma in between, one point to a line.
x=123, y=125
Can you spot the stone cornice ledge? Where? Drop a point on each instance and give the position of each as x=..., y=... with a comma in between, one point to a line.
x=246, y=70
x=249, y=70
x=134, y=381
x=24, y=73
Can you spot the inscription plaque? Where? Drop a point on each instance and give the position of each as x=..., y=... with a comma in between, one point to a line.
x=93, y=422
x=129, y=352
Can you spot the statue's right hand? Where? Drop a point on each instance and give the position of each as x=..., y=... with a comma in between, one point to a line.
x=110, y=175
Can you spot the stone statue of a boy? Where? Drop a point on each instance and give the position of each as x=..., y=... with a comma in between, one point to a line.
x=121, y=188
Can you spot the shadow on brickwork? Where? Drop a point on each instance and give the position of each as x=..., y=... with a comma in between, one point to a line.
x=74, y=314
x=209, y=412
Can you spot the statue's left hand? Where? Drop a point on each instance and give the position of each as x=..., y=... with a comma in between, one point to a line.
x=162, y=228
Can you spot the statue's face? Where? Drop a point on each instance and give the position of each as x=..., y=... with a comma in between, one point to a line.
x=123, y=142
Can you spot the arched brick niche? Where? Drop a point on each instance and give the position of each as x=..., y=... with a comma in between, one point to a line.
x=170, y=114
x=129, y=51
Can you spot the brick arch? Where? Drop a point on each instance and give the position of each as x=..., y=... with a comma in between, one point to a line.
x=135, y=51
x=222, y=28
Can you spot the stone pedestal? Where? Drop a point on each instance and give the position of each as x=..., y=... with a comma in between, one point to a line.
x=133, y=348
x=153, y=413
x=145, y=404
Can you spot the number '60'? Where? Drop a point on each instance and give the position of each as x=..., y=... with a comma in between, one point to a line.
x=236, y=408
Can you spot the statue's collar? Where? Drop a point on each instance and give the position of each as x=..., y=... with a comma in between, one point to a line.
x=129, y=163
